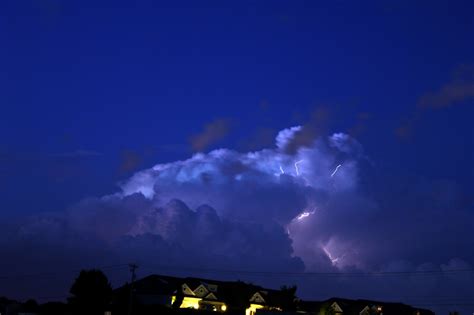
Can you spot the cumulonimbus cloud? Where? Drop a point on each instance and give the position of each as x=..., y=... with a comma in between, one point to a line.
x=307, y=209
x=271, y=186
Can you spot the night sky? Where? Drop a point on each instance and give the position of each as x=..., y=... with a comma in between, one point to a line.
x=167, y=133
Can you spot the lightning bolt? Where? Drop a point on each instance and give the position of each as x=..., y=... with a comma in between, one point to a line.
x=304, y=215
x=331, y=257
x=335, y=171
x=296, y=167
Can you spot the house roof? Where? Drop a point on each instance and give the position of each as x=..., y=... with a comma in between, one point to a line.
x=239, y=294
x=229, y=292
x=155, y=285
x=354, y=307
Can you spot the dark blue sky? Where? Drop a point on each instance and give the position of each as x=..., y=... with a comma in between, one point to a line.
x=93, y=91
x=118, y=76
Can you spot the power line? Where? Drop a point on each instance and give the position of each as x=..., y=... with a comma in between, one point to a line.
x=133, y=268
x=432, y=302
x=252, y=272
x=53, y=274
x=285, y=273
x=445, y=304
x=441, y=299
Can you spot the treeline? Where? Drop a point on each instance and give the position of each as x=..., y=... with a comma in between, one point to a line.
x=91, y=293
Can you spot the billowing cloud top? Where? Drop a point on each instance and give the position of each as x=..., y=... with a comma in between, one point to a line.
x=266, y=187
x=276, y=183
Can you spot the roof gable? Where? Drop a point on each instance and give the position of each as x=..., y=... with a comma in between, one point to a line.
x=201, y=291
x=257, y=298
x=211, y=296
x=187, y=290
x=365, y=310
x=336, y=307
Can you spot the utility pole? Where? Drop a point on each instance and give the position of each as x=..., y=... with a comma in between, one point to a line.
x=132, y=267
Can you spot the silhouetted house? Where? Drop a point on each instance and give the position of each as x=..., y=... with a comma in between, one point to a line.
x=233, y=296
x=338, y=306
x=203, y=294
x=200, y=294
x=164, y=294
x=152, y=294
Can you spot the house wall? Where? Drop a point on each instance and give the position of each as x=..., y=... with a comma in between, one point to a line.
x=152, y=299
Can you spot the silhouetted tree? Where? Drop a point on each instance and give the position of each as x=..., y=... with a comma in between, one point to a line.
x=91, y=293
x=239, y=294
x=288, y=299
x=121, y=300
x=179, y=299
x=30, y=306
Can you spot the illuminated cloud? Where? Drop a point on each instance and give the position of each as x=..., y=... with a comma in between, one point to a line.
x=255, y=211
x=259, y=187
x=252, y=186
x=285, y=136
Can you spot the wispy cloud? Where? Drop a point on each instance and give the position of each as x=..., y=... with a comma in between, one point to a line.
x=212, y=133
x=449, y=94
x=457, y=91
x=129, y=161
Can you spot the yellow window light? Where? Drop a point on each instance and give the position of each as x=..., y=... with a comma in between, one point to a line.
x=190, y=302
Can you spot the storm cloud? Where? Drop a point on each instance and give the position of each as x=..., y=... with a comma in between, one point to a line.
x=311, y=209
